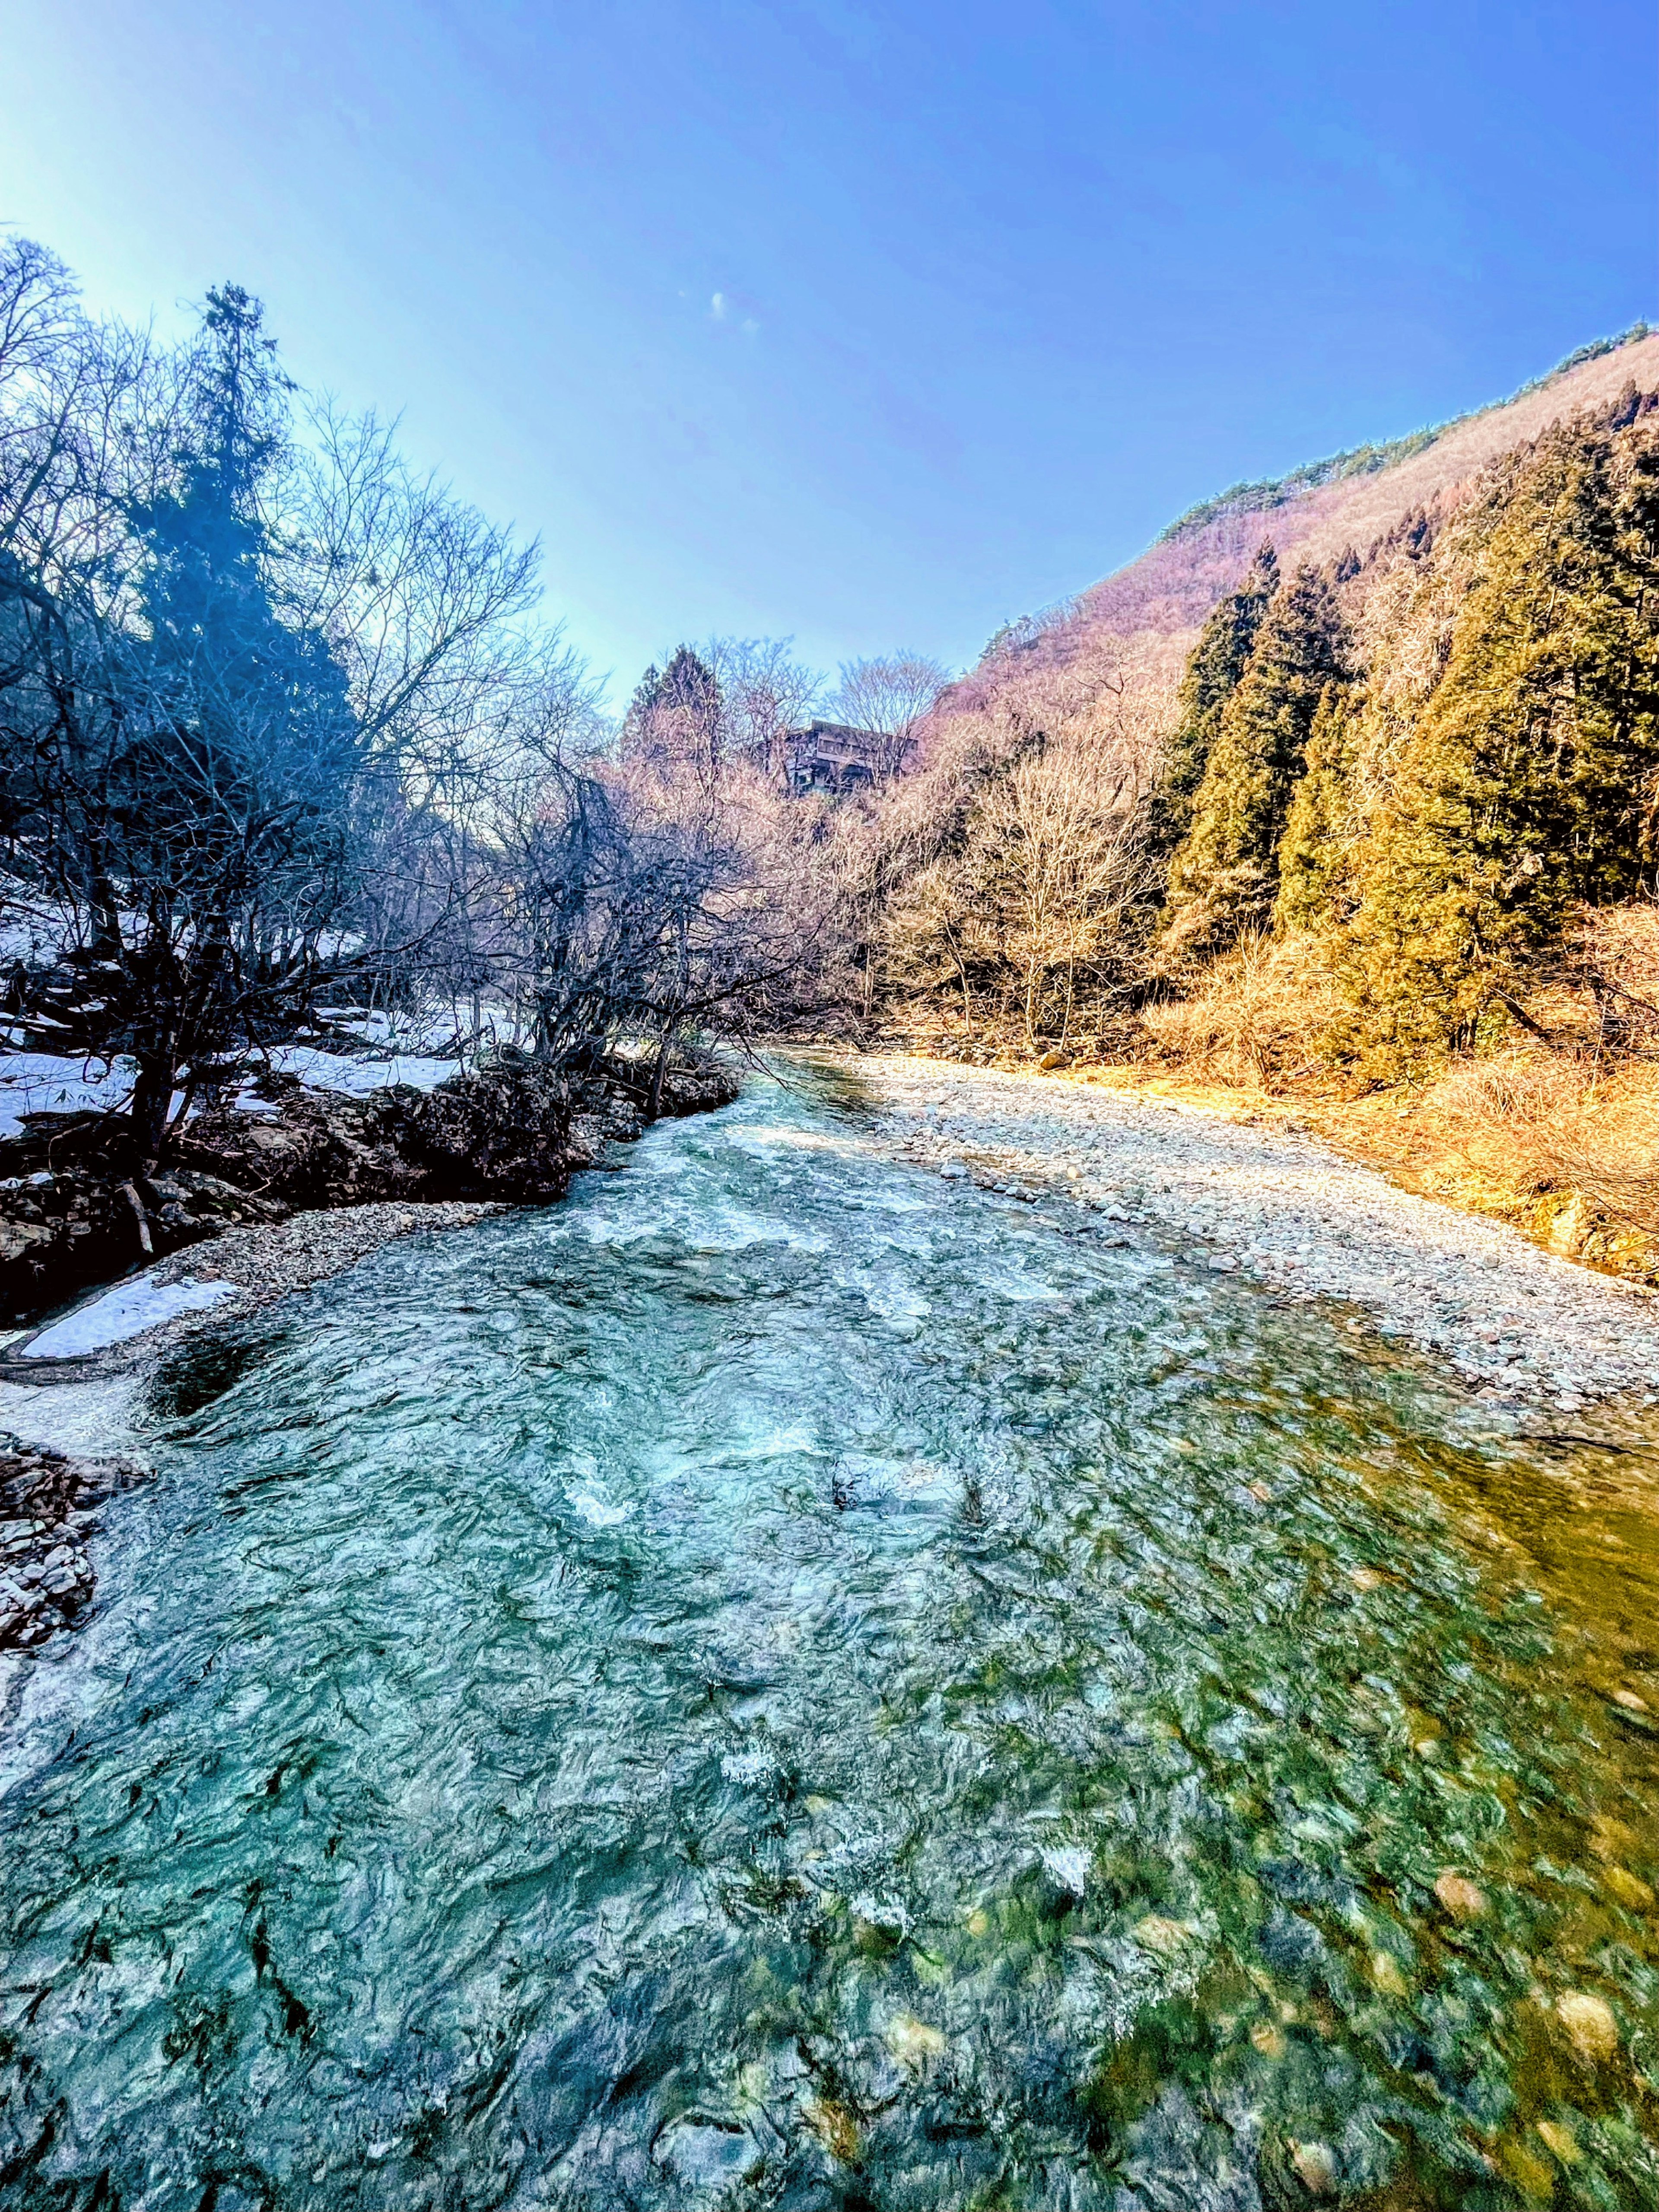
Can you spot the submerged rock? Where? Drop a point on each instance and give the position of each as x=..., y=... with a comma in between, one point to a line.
x=1464, y=1898
x=1589, y=2025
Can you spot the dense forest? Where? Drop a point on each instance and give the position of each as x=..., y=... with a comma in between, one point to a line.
x=1394, y=831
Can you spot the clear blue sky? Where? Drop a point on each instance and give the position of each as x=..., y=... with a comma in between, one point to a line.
x=871, y=324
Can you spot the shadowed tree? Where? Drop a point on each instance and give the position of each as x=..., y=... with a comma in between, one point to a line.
x=1217, y=661
x=1224, y=879
x=229, y=673
x=675, y=714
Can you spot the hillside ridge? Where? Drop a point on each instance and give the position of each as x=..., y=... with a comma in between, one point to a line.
x=1258, y=495
x=1137, y=625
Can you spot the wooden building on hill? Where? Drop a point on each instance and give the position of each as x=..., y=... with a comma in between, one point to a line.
x=832, y=756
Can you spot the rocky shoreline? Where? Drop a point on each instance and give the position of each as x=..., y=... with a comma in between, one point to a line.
x=1517, y=1325
x=48, y=1508
x=77, y=1209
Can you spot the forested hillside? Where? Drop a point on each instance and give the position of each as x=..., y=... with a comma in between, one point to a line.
x=1344, y=786
x=1135, y=628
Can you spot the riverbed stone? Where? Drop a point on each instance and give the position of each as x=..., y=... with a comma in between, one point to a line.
x=1589, y=2024
x=1464, y=1898
x=1281, y=1206
x=1315, y=2167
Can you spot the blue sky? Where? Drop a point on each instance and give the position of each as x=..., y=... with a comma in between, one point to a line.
x=874, y=325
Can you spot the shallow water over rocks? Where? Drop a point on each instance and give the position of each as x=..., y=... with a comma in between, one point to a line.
x=787, y=1681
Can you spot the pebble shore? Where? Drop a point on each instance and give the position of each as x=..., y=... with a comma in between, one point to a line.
x=266, y=1262
x=1517, y=1324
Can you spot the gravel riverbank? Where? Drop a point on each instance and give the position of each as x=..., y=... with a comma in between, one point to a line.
x=1517, y=1324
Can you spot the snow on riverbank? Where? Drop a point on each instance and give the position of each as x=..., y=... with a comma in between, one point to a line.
x=356, y=1074
x=116, y=1337
x=127, y=1310
x=1516, y=1322
x=50, y=1083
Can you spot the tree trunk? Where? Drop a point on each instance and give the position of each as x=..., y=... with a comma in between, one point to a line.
x=654, y=1099
x=152, y=1098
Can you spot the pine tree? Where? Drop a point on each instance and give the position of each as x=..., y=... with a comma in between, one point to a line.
x=1528, y=783
x=1314, y=854
x=1213, y=672
x=676, y=714
x=1224, y=879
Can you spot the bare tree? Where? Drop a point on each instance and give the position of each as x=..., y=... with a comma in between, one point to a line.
x=232, y=671
x=1060, y=863
x=1013, y=877
x=891, y=695
x=639, y=905
x=765, y=691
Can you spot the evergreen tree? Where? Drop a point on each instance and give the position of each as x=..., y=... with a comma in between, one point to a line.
x=646, y=692
x=1314, y=854
x=1213, y=672
x=225, y=806
x=677, y=714
x=1224, y=878
x=1528, y=781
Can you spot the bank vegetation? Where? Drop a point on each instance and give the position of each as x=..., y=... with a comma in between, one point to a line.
x=1388, y=852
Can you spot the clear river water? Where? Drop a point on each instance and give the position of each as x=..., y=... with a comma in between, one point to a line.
x=789, y=1682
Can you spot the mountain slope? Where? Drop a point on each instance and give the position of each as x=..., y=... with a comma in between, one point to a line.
x=1114, y=655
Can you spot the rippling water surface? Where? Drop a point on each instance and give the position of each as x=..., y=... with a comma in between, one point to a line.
x=786, y=1682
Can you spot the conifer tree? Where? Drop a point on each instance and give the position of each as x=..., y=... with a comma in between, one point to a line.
x=677, y=713
x=1314, y=854
x=1528, y=781
x=1224, y=879
x=1213, y=672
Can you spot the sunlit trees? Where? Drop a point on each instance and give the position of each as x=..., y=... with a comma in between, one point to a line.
x=233, y=664
x=1217, y=661
x=890, y=696
x=1315, y=854
x=1526, y=784
x=1017, y=884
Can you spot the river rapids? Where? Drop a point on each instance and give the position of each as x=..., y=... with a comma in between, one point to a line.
x=788, y=1683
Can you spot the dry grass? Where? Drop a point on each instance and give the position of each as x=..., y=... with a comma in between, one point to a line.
x=1257, y=1016
x=1550, y=1121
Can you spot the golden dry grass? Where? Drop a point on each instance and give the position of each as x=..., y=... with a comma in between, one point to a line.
x=1257, y=1017
x=1552, y=1122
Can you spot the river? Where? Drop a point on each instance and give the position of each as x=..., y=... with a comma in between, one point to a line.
x=788, y=1682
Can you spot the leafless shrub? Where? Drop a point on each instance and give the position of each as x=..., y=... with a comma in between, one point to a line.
x=1258, y=1015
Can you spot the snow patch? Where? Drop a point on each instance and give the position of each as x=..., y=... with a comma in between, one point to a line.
x=127, y=1310
x=50, y=1083
x=357, y=1075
